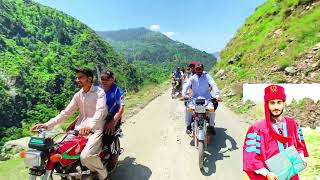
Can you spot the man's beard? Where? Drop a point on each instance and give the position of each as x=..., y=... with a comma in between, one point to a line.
x=79, y=84
x=276, y=116
x=199, y=74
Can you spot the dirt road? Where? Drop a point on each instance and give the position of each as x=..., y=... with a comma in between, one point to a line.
x=157, y=148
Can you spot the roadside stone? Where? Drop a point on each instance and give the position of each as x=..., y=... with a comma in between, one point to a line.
x=235, y=58
x=16, y=146
x=317, y=46
x=316, y=64
x=230, y=94
x=278, y=32
x=220, y=73
x=291, y=39
x=314, y=75
x=310, y=56
x=290, y=70
x=4, y=157
x=296, y=81
x=224, y=77
x=275, y=69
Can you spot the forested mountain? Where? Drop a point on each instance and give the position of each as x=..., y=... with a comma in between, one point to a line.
x=39, y=48
x=141, y=44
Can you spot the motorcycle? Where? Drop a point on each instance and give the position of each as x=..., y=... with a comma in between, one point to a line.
x=176, y=87
x=46, y=158
x=199, y=125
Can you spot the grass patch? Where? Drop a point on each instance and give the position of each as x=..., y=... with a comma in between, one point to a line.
x=312, y=138
x=136, y=101
x=13, y=169
x=285, y=63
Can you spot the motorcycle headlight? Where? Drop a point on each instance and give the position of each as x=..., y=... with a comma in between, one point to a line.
x=189, y=109
x=32, y=158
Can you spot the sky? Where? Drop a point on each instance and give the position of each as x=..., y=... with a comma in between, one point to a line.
x=207, y=25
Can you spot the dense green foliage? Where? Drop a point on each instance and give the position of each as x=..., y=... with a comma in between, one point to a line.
x=160, y=52
x=275, y=35
x=39, y=48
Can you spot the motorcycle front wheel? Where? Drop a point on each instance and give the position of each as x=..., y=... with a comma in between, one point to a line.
x=201, y=153
x=68, y=178
x=32, y=177
x=46, y=176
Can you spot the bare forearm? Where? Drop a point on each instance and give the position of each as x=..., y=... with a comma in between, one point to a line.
x=118, y=115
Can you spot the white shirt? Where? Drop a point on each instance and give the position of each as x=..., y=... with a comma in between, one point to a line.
x=92, y=106
x=200, y=86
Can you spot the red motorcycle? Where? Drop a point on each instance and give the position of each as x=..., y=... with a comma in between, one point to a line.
x=46, y=158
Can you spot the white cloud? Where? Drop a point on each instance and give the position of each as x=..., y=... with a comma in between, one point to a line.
x=169, y=34
x=155, y=27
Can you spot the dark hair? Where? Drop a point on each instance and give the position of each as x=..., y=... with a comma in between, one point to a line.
x=85, y=71
x=199, y=65
x=107, y=73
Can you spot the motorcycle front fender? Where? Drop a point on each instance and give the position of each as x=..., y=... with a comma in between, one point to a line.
x=201, y=134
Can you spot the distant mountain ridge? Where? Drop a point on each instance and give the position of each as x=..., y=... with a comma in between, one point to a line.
x=141, y=44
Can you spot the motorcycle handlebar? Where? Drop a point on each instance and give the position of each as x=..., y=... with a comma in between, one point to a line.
x=73, y=132
x=76, y=132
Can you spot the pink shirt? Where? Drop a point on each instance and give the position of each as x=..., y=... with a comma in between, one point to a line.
x=92, y=107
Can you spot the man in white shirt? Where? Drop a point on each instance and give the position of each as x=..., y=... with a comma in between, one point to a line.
x=199, y=83
x=91, y=102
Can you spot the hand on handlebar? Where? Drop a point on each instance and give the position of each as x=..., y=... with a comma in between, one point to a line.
x=183, y=98
x=219, y=99
x=38, y=126
x=85, y=131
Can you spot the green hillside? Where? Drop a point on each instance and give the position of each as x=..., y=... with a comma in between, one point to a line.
x=39, y=47
x=278, y=44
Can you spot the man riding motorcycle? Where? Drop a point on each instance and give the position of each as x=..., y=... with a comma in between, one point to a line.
x=199, y=84
x=177, y=79
x=115, y=104
x=91, y=102
x=191, y=68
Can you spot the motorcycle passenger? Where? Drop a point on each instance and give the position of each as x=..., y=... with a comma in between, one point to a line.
x=90, y=100
x=200, y=89
x=115, y=104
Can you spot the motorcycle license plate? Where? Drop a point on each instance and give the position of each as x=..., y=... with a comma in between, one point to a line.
x=200, y=109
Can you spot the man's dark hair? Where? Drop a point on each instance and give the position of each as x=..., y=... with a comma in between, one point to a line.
x=108, y=73
x=85, y=71
x=199, y=65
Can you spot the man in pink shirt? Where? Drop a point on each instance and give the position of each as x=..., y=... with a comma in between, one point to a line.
x=91, y=102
